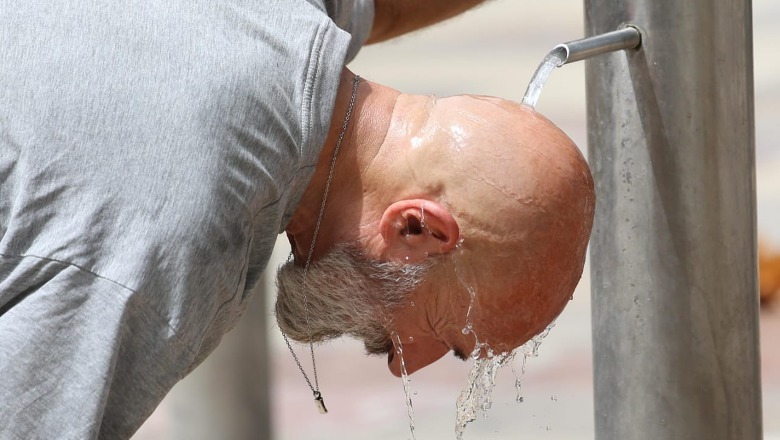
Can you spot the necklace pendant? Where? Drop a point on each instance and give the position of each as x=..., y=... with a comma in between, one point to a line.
x=320, y=403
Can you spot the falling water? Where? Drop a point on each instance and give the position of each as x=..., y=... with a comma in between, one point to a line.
x=407, y=385
x=554, y=59
x=468, y=285
x=482, y=379
x=477, y=394
x=519, y=380
x=469, y=327
x=529, y=349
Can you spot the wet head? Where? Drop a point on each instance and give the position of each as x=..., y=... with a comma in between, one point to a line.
x=476, y=216
x=522, y=196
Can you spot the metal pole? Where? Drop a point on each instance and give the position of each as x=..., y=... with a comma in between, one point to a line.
x=673, y=252
x=577, y=50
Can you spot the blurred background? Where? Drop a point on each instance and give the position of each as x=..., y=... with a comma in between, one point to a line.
x=492, y=50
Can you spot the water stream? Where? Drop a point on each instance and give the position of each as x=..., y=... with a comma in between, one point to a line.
x=399, y=350
x=467, y=281
x=476, y=396
x=553, y=59
x=529, y=349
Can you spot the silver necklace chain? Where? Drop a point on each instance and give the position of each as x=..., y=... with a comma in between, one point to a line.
x=316, y=387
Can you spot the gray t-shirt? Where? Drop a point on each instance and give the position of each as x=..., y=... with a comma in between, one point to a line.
x=150, y=152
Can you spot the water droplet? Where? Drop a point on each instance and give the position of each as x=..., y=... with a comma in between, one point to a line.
x=520, y=399
x=411, y=339
x=411, y=303
x=549, y=429
x=553, y=398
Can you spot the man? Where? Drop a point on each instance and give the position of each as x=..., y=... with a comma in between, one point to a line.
x=150, y=152
x=482, y=193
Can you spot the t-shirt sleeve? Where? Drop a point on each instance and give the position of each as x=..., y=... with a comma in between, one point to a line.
x=355, y=17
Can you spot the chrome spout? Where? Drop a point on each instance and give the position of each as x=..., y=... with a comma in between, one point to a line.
x=628, y=37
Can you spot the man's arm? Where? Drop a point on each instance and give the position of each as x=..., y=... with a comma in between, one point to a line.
x=397, y=17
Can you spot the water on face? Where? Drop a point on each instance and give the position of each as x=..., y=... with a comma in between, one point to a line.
x=553, y=59
x=469, y=327
x=399, y=350
x=465, y=279
x=477, y=395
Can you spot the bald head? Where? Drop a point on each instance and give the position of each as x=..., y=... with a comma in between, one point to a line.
x=521, y=196
x=490, y=197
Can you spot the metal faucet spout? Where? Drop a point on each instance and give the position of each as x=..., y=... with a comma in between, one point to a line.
x=627, y=37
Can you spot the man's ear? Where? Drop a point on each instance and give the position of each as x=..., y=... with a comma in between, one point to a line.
x=413, y=229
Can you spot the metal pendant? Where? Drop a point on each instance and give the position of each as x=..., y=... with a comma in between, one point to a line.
x=320, y=403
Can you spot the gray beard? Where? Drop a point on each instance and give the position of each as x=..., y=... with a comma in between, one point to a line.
x=347, y=294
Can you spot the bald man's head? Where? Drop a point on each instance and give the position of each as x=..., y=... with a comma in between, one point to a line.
x=494, y=200
x=522, y=197
x=526, y=201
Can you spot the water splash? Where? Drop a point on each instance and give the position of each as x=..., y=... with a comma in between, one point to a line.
x=407, y=384
x=529, y=349
x=519, y=381
x=553, y=59
x=477, y=396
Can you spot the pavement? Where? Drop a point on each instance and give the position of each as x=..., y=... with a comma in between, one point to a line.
x=494, y=51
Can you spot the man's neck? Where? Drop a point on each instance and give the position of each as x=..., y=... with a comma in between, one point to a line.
x=366, y=130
